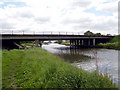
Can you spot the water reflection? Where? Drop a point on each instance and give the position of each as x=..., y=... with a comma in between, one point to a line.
x=84, y=58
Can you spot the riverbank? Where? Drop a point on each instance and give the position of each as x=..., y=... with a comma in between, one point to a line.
x=37, y=68
x=110, y=45
x=113, y=44
x=66, y=43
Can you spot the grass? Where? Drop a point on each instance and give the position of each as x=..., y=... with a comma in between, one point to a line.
x=65, y=43
x=37, y=68
x=29, y=43
x=114, y=43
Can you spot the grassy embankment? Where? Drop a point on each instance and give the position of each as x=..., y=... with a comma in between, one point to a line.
x=28, y=44
x=63, y=43
x=113, y=44
x=66, y=43
x=37, y=68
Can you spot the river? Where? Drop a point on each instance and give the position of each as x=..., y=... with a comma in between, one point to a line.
x=107, y=59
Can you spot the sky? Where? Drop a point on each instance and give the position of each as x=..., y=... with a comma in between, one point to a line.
x=36, y=16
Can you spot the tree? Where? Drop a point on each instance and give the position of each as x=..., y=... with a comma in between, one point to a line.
x=108, y=35
x=88, y=33
x=98, y=34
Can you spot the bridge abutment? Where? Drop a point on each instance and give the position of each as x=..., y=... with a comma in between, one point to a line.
x=36, y=43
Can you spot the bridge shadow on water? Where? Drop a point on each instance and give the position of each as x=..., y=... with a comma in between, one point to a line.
x=72, y=55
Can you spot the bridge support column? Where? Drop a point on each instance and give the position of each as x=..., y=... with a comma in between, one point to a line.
x=82, y=42
x=77, y=43
x=71, y=43
x=94, y=42
x=89, y=42
x=36, y=43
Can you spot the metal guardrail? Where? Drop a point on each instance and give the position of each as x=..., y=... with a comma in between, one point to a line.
x=19, y=32
x=36, y=33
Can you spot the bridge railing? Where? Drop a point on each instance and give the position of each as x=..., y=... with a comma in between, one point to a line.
x=37, y=33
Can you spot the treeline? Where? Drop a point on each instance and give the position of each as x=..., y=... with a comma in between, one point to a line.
x=89, y=33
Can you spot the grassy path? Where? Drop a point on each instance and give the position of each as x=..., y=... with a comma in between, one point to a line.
x=37, y=68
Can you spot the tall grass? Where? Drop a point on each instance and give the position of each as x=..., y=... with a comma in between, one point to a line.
x=37, y=68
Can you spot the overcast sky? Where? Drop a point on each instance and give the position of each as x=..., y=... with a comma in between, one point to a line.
x=59, y=16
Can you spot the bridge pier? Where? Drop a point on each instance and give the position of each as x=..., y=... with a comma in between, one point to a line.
x=94, y=42
x=36, y=43
x=82, y=42
x=77, y=43
x=89, y=43
x=71, y=44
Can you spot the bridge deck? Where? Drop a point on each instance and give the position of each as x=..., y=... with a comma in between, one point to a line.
x=50, y=37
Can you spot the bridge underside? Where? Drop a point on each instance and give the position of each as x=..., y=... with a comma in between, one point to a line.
x=74, y=43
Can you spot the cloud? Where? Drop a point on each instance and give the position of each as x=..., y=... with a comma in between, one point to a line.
x=82, y=3
x=1, y=3
x=42, y=19
x=111, y=7
x=59, y=15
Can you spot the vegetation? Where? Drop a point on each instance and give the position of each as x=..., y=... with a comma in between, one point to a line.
x=65, y=43
x=116, y=39
x=29, y=43
x=89, y=33
x=37, y=68
x=114, y=43
x=59, y=42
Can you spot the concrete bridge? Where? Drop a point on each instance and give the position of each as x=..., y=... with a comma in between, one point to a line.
x=76, y=41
